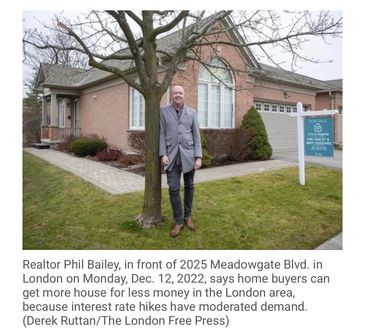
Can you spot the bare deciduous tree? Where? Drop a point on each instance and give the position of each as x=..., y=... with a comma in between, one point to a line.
x=109, y=37
x=62, y=53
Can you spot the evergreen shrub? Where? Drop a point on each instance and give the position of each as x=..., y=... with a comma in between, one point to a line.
x=207, y=159
x=87, y=146
x=260, y=148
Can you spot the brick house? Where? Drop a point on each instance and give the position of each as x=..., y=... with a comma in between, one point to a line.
x=76, y=101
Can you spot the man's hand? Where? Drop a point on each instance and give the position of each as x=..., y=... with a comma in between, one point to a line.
x=198, y=163
x=165, y=160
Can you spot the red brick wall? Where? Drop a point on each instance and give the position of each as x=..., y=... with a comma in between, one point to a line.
x=244, y=90
x=105, y=112
x=275, y=93
x=324, y=100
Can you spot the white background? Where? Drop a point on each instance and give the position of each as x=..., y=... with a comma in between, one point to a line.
x=338, y=307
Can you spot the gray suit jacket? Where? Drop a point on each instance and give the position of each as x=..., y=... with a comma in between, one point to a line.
x=180, y=136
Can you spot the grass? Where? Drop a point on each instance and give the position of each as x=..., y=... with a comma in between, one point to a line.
x=265, y=211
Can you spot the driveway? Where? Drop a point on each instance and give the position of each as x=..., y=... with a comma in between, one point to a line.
x=292, y=155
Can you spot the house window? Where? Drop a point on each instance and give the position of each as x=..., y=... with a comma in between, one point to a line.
x=136, y=110
x=258, y=106
x=294, y=109
x=274, y=108
x=288, y=109
x=266, y=107
x=215, y=96
x=281, y=109
x=62, y=113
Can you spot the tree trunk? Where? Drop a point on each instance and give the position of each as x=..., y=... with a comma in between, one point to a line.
x=151, y=212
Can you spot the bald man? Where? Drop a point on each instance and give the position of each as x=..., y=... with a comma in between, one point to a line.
x=181, y=153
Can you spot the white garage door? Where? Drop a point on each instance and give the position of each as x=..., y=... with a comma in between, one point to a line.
x=281, y=128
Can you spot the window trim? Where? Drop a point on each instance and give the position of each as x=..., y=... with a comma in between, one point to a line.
x=222, y=91
x=131, y=127
x=259, y=103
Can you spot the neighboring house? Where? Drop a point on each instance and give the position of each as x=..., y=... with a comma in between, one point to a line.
x=92, y=101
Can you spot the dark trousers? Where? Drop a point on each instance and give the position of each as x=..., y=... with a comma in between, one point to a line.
x=173, y=180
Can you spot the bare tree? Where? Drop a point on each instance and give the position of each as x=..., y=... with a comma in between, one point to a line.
x=34, y=56
x=109, y=37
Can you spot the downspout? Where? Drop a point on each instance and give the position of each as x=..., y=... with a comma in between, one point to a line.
x=334, y=121
x=332, y=99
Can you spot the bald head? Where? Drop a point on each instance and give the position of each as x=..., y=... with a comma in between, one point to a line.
x=177, y=96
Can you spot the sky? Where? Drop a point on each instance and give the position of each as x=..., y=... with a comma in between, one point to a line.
x=330, y=53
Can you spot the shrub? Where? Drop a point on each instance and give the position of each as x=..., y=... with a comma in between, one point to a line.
x=87, y=146
x=228, y=145
x=136, y=141
x=109, y=155
x=66, y=143
x=260, y=148
x=207, y=159
x=131, y=159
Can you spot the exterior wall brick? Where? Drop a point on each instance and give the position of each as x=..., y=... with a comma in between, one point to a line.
x=44, y=132
x=105, y=112
x=53, y=133
x=324, y=100
x=284, y=94
x=189, y=79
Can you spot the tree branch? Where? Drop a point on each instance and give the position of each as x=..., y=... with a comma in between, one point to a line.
x=101, y=66
x=132, y=43
x=170, y=25
x=135, y=18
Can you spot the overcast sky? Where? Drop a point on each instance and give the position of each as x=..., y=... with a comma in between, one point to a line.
x=330, y=53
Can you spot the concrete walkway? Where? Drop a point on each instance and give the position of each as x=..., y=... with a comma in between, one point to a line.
x=118, y=181
x=333, y=243
x=110, y=179
x=292, y=155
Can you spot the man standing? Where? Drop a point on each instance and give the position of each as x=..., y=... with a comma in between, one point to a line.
x=181, y=152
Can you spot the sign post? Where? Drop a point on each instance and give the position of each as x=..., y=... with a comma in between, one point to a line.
x=316, y=136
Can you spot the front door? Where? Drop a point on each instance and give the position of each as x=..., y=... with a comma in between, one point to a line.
x=75, y=114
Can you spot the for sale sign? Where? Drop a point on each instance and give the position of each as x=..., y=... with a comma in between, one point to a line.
x=318, y=136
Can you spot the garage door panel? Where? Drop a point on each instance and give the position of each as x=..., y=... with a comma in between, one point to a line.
x=281, y=129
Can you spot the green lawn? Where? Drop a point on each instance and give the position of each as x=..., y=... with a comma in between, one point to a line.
x=265, y=211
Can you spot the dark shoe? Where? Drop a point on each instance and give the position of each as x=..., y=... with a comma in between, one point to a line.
x=189, y=223
x=176, y=230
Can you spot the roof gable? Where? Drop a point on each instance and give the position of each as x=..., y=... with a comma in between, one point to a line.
x=65, y=76
x=59, y=75
x=70, y=77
